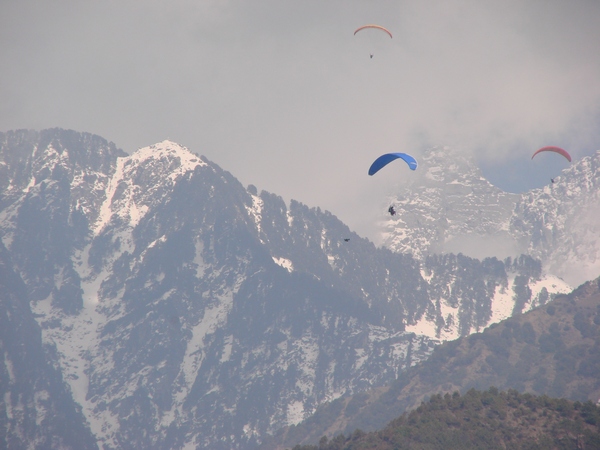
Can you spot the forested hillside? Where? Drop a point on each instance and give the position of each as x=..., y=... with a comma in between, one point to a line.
x=482, y=420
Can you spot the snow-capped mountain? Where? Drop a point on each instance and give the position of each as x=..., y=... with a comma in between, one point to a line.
x=452, y=208
x=183, y=310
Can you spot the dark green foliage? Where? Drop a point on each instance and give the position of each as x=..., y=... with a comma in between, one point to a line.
x=527, y=333
x=358, y=401
x=590, y=413
x=522, y=293
x=582, y=322
x=551, y=341
x=499, y=345
x=590, y=366
x=482, y=420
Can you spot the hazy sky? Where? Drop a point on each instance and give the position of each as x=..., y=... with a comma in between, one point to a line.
x=285, y=97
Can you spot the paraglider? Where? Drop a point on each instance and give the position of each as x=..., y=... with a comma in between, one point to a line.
x=384, y=160
x=554, y=149
x=391, y=210
x=346, y=239
x=378, y=27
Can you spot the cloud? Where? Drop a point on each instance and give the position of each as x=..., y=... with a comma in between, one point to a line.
x=500, y=246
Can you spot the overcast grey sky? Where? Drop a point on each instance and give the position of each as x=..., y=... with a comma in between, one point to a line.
x=285, y=97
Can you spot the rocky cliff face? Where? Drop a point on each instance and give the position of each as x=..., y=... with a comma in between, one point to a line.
x=183, y=309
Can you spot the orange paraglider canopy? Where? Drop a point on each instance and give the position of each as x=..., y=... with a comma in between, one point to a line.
x=379, y=27
x=551, y=148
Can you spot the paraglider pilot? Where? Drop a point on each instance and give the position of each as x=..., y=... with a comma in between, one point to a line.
x=391, y=210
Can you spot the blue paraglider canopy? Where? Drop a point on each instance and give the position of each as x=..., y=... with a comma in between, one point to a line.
x=384, y=160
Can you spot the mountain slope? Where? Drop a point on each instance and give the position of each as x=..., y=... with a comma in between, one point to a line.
x=553, y=350
x=37, y=410
x=476, y=420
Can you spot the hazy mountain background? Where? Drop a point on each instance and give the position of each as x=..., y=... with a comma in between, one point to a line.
x=173, y=307
x=449, y=207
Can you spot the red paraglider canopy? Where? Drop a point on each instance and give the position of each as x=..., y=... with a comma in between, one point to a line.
x=551, y=148
x=379, y=27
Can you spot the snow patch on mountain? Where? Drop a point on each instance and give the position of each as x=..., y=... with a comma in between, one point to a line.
x=285, y=263
x=214, y=316
x=255, y=211
x=424, y=327
x=295, y=412
x=446, y=325
x=75, y=339
x=142, y=178
x=503, y=302
x=548, y=283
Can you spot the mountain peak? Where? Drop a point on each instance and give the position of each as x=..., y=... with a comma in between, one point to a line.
x=449, y=165
x=140, y=179
x=177, y=157
x=442, y=153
